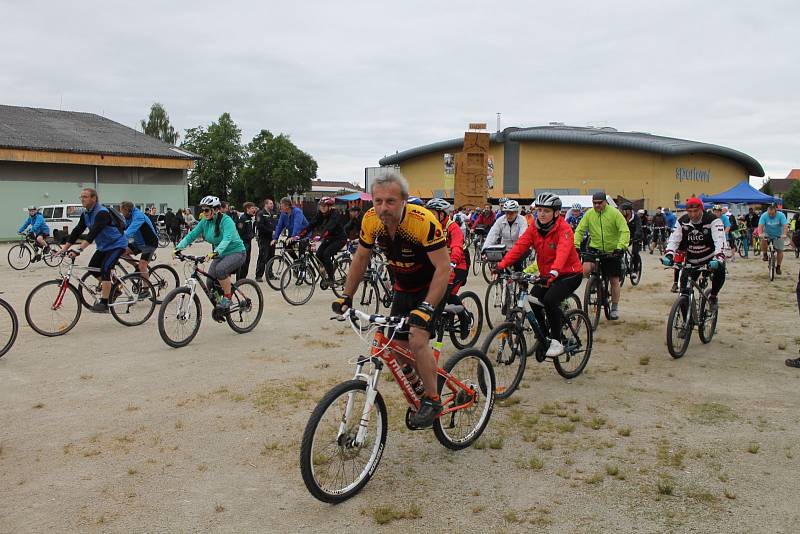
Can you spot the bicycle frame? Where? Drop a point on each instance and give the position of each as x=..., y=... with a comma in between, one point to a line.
x=688, y=286
x=67, y=277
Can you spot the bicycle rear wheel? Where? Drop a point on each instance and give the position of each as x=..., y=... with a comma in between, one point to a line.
x=340, y=270
x=496, y=303
x=708, y=319
x=635, y=273
x=506, y=348
x=679, y=327
x=473, y=315
x=576, y=336
x=179, y=317
x=333, y=465
x=472, y=407
x=164, y=279
x=274, y=270
x=368, y=297
x=9, y=327
x=476, y=260
x=298, y=282
x=247, y=305
x=132, y=300
x=593, y=301
x=487, y=271
x=53, y=308
x=771, y=266
x=572, y=302
x=51, y=259
x=19, y=257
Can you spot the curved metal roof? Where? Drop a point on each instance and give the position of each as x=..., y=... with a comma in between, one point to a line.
x=593, y=136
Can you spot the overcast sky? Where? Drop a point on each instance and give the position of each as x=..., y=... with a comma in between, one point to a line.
x=353, y=81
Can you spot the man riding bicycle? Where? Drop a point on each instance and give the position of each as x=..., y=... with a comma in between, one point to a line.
x=292, y=220
x=39, y=229
x=659, y=224
x=415, y=247
x=609, y=234
x=552, y=239
x=219, y=230
x=507, y=230
x=107, y=234
x=701, y=236
x=329, y=222
x=485, y=218
x=458, y=258
x=772, y=226
x=140, y=233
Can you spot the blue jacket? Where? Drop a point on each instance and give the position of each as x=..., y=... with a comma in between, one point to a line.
x=110, y=237
x=37, y=224
x=671, y=220
x=295, y=222
x=135, y=222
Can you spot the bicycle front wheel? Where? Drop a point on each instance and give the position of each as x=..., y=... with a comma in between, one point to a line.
x=771, y=266
x=51, y=259
x=576, y=336
x=708, y=319
x=298, y=283
x=164, y=279
x=476, y=260
x=487, y=271
x=340, y=270
x=179, y=317
x=506, y=348
x=334, y=465
x=247, y=305
x=495, y=304
x=19, y=257
x=274, y=270
x=9, y=327
x=467, y=399
x=469, y=322
x=679, y=327
x=635, y=273
x=593, y=301
x=132, y=300
x=53, y=308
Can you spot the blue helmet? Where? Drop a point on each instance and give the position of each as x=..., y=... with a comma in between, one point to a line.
x=415, y=200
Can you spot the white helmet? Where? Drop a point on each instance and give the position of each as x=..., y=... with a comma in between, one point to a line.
x=439, y=204
x=640, y=212
x=510, y=205
x=548, y=200
x=210, y=200
x=31, y=208
x=577, y=206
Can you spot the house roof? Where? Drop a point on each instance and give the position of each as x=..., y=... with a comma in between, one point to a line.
x=794, y=174
x=592, y=136
x=72, y=131
x=780, y=185
x=336, y=185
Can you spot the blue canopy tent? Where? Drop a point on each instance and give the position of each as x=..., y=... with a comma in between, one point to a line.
x=741, y=193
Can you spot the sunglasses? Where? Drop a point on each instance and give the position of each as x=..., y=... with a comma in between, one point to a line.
x=207, y=210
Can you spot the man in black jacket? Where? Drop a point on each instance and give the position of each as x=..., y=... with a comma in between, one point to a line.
x=751, y=221
x=330, y=224
x=172, y=226
x=246, y=228
x=265, y=226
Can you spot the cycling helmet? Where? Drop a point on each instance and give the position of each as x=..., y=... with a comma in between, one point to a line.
x=327, y=201
x=210, y=200
x=439, y=204
x=415, y=200
x=640, y=212
x=548, y=200
x=717, y=207
x=510, y=205
x=626, y=206
x=503, y=200
x=577, y=206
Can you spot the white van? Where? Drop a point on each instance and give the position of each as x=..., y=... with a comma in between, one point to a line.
x=61, y=218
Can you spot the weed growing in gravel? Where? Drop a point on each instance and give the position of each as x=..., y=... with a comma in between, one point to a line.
x=535, y=463
x=386, y=514
x=508, y=402
x=612, y=470
x=729, y=494
x=624, y=431
x=665, y=485
x=38, y=406
x=753, y=448
x=597, y=422
x=710, y=413
x=219, y=508
x=644, y=360
x=565, y=427
x=546, y=445
x=496, y=442
x=595, y=478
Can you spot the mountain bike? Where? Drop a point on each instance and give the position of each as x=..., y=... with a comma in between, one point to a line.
x=54, y=307
x=772, y=257
x=9, y=326
x=507, y=348
x=28, y=251
x=180, y=313
x=691, y=308
x=163, y=277
x=659, y=240
x=468, y=314
x=478, y=237
x=273, y=269
x=631, y=268
x=597, y=294
x=299, y=280
x=345, y=436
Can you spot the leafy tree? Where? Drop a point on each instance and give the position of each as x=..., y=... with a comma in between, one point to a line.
x=275, y=167
x=223, y=157
x=157, y=125
x=792, y=197
x=767, y=188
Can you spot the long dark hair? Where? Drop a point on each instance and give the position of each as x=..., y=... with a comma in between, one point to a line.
x=217, y=221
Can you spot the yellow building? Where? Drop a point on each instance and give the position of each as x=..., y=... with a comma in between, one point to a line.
x=571, y=160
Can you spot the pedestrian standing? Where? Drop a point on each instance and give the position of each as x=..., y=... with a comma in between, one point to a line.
x=246, y=231
x=265, y=226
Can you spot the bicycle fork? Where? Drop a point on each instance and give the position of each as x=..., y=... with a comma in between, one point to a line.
x=372, y=392
x=61, y=292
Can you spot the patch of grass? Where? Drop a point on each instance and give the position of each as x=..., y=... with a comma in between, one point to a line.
x=87, y=377
x=624, y=431
x=597, y=422
x=268, y=447
x=565, y=427
x=729, y=494
x=575, y=417
x=496, y=442
x=546, y=445
x=529, y=436
x=753, y=448
x=710, y=413
x=702, y=496
x=511, y=401
x=219, y=508
x=612, y=470
x=38, y=406
x=595, y=478
x=132, y=471
x=386, y=514
x=665, y=486
x=511, y=516
x=478, y=509
x=479, y=444
x=202, y=468
x=644, y=360
x=547, y=409
x=178, y=425
x=535, y=463
x=723, y=477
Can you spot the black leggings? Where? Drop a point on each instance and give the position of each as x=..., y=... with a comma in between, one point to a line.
x=552, y=297
x=327, y=249
x=717, y=280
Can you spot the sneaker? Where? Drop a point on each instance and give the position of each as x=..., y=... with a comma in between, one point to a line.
x=99, y=307
x=613, y=314
x=37, y=257
x=555, y=349
x=144, y=295
x=224, y=304
x=793, y=362
x=259, y=279
x=674, y=288
x=777, y=269
x=428, y=410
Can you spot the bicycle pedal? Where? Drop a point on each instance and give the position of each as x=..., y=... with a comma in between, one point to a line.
x=409, y=415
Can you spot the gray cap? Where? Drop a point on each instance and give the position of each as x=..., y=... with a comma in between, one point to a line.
x=599, y=195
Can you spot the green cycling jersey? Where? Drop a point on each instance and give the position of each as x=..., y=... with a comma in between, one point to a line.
x=608, y=230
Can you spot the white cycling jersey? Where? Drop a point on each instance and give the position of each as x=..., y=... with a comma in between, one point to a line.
x=504, y=232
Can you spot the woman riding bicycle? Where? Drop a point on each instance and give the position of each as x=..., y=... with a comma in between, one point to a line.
x=328, y=221
x=228, y=249
x=562, y=271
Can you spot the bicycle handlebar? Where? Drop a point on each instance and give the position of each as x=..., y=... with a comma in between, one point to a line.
x=352, y=313
x=186, y=257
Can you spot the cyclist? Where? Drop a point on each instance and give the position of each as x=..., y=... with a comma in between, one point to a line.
x=485, y=218
x=608, y=233
x=635, y=229
x=772, y=226
x=140, y=233
x=552, y=239
x=107, y=234
x=415, y=247
x=329, y=221
x=659, y=225
x=574, y=216
x=39, y=229
x=670, y=218
x=726, y=221
x=228, y=253
x=507, y=229
x=701, y=236
x=458, y=258
x=416, y=201
x=292, y=220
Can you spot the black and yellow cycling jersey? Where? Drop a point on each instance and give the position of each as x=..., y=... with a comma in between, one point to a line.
x=417, y=234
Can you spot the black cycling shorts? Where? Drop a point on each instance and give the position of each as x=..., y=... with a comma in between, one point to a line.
x=404, y=303
x=105, y=261
x=611, y=265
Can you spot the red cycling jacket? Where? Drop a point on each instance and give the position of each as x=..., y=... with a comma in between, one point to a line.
x=485, y=220
x=555, y=252
x=455, y=244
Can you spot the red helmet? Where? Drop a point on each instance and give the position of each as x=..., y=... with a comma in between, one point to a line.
x=694, y=202
x=327, y=201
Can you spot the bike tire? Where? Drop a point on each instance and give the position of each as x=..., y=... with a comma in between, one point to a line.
x=680, y=320
x=474, y=309
x=8, y=333
x=163, y=239
x=572, y=302
x=495, y=305
x=487, y=269
x=141, y=304
x=469, y=422
x=48, y=322
x=708, y=320
x=273, y=270
x=51, y=260
x=177, y=299
x=576, y=335
x=506, y=348
x=635, y=273
x=246, y=299
x=19, y=257
x=164, y=279
x=771, y=263
x=624, y=270
x=298, y=282
x=592, y=301
x=340, y=270
x=476, y=259
x=342, y=447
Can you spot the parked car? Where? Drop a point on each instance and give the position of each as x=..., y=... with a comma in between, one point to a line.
x=61, y=218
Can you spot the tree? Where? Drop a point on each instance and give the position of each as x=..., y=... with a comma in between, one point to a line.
x=767, y=188
x=157, y=125
x=222, y=158
x=791, y=199
x=275, y=167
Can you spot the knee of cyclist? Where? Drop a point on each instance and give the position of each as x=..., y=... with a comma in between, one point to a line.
x=418, y=340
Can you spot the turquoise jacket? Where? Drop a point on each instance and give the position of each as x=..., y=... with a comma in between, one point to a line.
x=227, y=242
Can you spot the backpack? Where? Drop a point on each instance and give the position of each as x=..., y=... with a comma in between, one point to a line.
x=117, y=219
